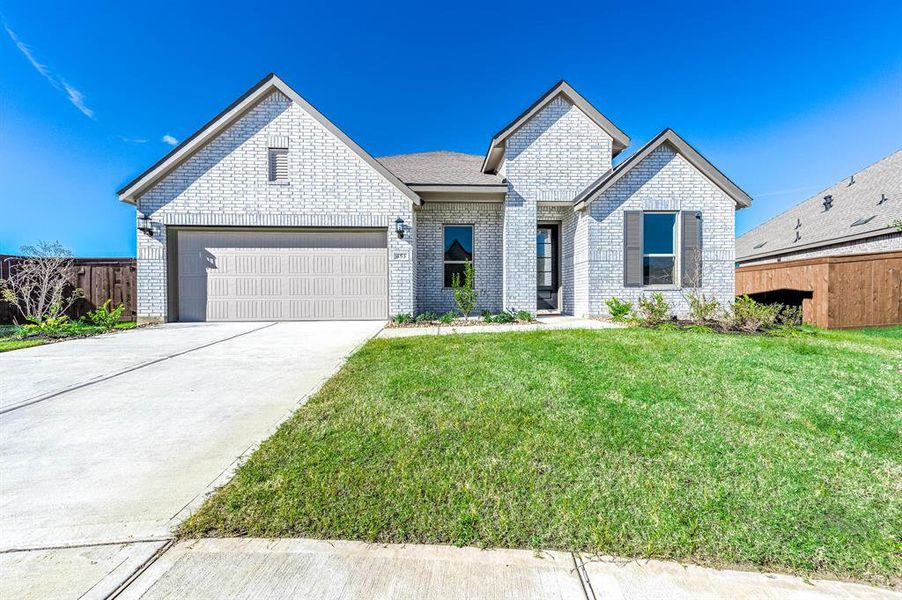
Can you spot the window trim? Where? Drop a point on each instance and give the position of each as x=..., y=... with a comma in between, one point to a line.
x=457, y=262
x=677, y=244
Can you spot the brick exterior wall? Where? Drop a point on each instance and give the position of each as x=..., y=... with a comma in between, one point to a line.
x=486, y=219
x=551, y=158
x=882, y=243
x=226, y=184
x=664, y=180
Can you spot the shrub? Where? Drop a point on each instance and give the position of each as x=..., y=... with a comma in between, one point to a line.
x=701, y=309
x=751, y=316
x=402, y=318
x=620, y=309
x=653, y=311
x=464, y=293
x=447, y=318
x=504, y=316
x=51, y=327
x=426, y=317
x=523, y=316
x=105, y=318
x=791, y=316
x=487, y=316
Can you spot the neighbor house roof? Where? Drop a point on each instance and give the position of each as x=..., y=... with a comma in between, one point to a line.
x=440, y=168
x=232, y=113
x=670, y=137
x=862, y=205
x=496, y=147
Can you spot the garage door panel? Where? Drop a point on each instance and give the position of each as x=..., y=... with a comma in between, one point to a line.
x=302, y=275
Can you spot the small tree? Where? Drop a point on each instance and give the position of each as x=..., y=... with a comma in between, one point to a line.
x=39, y=283
x=464, y=293
x=701, y=308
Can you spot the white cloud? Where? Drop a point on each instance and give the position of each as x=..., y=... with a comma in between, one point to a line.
x=131, y=140
x=75, y=97
x=168, y=139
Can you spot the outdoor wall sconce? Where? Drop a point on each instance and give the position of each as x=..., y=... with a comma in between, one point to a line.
x=399, y=227
x=144, y=225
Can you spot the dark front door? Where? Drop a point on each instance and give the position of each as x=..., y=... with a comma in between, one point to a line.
x=547, y=272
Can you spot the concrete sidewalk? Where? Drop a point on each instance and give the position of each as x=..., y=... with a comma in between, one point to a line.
x=300, y=568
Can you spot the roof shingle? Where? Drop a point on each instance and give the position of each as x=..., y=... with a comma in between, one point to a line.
x=439, y=168
x=856, y=209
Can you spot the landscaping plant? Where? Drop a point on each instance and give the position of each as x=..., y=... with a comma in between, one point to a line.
x=39, y=284
x=447, y=318
x=105, y=318
x=465, y=294
x=702, y=309
x=653, y=311
x=751, y=316
x=426, y=317
x=402, y=318
x=523, y=316
x=620, y=309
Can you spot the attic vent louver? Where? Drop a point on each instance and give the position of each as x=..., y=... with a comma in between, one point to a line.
x=798, y=237
x=863, y=220
x=883, y=199
x=828, y=202
x=761, y=245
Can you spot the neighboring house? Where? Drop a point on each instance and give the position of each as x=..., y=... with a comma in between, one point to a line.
x=837, y=254
x=271, y=212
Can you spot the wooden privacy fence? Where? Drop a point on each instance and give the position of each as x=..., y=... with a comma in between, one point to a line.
x=857, y=290
x=101, y=279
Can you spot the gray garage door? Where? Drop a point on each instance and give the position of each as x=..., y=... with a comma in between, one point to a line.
x=282, y=275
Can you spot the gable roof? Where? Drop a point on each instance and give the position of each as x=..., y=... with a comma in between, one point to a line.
x=856, y=212
x=232, y=113
x=440, y=167
x=668, y=136
x=496, y=147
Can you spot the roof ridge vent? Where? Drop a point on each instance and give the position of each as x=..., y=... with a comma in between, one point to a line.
x=851, y=179
x=883, y=199
x=828, y=202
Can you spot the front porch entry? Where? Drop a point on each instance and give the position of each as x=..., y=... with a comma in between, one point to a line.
x=548, y=272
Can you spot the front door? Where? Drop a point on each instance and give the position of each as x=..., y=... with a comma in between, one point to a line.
x=547, y=272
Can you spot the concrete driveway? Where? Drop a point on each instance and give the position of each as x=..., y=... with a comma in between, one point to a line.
x=107, y=443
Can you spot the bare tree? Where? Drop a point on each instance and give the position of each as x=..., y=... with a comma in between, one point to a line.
x=701, y=308
x=39, y=283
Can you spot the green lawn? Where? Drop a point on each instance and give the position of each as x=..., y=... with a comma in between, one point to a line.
x=11, y=340
x=782, y=453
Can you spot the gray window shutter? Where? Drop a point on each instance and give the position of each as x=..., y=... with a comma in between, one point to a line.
x=690, y=252
x=632, y=248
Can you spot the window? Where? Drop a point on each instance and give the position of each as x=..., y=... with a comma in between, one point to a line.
x=458, y=245
x=659, y=248
x=278, y=165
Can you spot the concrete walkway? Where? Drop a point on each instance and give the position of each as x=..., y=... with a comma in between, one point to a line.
x=319, y=570
x=110, y=454
x=544, y=323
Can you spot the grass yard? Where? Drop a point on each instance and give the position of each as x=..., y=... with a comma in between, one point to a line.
x=11, y=340
x=782, y=453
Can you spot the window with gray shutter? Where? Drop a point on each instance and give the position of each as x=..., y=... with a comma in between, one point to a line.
x=278, y=164
x=691, y=249
x=632, y=248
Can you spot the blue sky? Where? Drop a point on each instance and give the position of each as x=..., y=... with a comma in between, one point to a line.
x=785, y=97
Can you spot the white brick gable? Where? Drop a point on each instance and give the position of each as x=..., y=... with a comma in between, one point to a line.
x=225, y=183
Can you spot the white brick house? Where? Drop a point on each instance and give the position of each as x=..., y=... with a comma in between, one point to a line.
x=271, y=212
